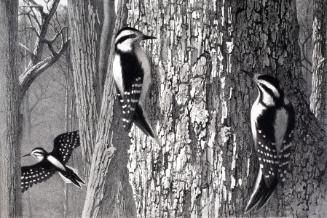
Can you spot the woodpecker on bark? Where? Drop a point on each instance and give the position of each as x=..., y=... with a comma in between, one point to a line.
x=132, y=76
x=272, y=125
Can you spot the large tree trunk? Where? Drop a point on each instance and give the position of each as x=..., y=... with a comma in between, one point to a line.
x=10, y=202
x=206, y=165
x=85, y=55
x=104, y=149
x=318, y=100
x=84, y=31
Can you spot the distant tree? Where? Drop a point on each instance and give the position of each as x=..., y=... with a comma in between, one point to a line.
x=13, y=89
x=9, y=112
x=40, y=23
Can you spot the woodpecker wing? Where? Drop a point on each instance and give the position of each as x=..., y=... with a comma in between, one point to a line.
x=64, y=144
x=36, y=173
x=129, y=101
x=260, y=194
x=129, y=75
x=266, y=146
x=268, y=159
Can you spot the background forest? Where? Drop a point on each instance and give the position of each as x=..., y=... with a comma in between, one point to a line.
x=199, y=105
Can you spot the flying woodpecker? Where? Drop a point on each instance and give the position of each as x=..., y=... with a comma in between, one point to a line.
x=132, y=75
x=272, y=125
x=50, y=163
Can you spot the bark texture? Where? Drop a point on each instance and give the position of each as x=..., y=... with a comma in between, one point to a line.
x=104, y=150
x=206, y=165
x=84, y=32
x=10, y=196
x=318, y=99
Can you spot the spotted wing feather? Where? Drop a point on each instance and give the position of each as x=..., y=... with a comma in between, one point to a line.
x=129, y=102
x=64, y=145
x=266, y=147
x=36, y=173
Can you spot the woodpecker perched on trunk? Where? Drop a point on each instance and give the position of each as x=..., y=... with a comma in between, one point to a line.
x=272, y=124
x=50, y=163
x=132, y=75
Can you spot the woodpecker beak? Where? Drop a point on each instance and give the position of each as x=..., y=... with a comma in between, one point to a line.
x=26, y=155
x=145, y=37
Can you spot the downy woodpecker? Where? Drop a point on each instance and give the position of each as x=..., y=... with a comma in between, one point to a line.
x=132, y=75
x=50, y=163
x=272, y=124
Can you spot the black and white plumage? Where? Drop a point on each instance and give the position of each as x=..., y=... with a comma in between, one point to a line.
x=132, y=75
x=272, y=124
x=50, y=163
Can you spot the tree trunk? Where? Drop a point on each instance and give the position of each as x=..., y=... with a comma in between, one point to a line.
x=318, y=99
x=88, y=95
x=104, y=149
x=200, y=101
x=84, y=32
x=10, y=197
x=70, y=119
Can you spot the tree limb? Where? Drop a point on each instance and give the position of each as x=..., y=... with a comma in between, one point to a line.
x=27, y=78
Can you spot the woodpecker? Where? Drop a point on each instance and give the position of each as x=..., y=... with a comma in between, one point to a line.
x=272, y=125
x=50, y=163
x=132, y=76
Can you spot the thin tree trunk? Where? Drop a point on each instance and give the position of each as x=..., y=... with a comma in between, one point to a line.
x=200, y=104
x=10, y=197
x=318, y=99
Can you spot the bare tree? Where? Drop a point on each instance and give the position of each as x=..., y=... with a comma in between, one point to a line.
x=9, y=112
x=40, y=23
x=14, y=89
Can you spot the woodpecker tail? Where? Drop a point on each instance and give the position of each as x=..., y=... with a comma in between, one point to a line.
x=142, y=122
x=70, y=176
x=261, y=193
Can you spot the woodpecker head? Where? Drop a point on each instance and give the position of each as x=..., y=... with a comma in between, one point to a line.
x=37, y=153
x=128, y=38
x=270, y=92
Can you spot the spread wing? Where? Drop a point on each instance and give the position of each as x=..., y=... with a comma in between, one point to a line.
x=36, y=173
x=129, y=101
x=64, y=144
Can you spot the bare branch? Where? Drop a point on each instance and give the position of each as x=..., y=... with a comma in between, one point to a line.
x=26, y=48
x=52, y=41
x=27, y=78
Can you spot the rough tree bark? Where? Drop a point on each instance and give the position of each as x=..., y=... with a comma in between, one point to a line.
x=90, y=62
x=104, y=149
x=10, y=196
x=206, y=166
x=318, y=99
x=84, y=32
